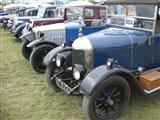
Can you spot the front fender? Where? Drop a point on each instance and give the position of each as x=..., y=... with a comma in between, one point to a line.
x=101, y=73
x=35, y=43
x=28, y=36
x=41, y=41
x=49, y=57
x=19, y=29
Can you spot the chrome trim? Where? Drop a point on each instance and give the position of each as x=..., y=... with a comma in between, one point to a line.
x=83, y=43
x=155, y=19
x=151, y=91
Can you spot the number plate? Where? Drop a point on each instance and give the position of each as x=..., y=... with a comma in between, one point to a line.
x=129, y=22
x=63, y=86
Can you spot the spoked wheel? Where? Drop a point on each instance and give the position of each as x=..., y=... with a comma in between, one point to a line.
x=37, y=57
x=51, y=70
x=61, y=73
x=108, y=99
x=26, y=51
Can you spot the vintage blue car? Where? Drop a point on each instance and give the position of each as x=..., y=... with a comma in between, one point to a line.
x=105, y=65
x=51, y=36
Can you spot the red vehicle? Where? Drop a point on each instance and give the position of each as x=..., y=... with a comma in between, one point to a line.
x=61, y=14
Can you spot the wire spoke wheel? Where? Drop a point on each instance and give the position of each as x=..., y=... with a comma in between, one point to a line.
x=108, y=99
x=108, y=102
x=37, y=57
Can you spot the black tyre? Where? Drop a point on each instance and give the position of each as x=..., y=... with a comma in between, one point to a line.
x=18, y=35
x=50, y=71
x=108, y=100
x=37, y=56
x=26, y=52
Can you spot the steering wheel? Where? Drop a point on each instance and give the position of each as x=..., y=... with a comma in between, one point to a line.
x=139, y=23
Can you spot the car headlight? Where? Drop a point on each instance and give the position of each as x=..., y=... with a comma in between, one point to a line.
x=10, y=22
x=58, y=61
x=78, y=72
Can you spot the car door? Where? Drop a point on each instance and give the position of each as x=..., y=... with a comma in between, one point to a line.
x=155, y=50
x=146, y=52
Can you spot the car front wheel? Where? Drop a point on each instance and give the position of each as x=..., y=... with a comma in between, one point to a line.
x=51, y=70
x=108, y=99
x=37, y=57
x=26, y=51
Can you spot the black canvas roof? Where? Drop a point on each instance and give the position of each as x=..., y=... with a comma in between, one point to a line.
x=156, y=2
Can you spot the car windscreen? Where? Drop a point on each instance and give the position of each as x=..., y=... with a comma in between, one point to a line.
x=132, y=16
x=74, y=13
x=41, y=12
x=59, y=12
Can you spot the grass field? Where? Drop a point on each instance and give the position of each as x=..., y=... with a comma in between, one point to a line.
x=26, y=95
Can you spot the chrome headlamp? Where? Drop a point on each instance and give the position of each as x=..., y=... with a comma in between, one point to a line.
x=78, y=72
x=60, y=60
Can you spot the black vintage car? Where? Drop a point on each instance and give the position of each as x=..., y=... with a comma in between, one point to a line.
x=106, y=65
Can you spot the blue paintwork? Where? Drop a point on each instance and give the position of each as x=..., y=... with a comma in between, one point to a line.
x=124, y=45
x=23, y=21
x=72, y=31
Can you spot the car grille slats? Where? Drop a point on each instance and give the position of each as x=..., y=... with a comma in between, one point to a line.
x=78, y=57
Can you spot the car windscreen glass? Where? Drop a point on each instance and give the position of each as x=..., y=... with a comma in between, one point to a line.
x=49, y=13
x=41, y=12
x=133, y=16
x=74, y=13
x=59, y=12
x=102, y=13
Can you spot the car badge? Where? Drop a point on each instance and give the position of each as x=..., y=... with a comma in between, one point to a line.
x=80, y=32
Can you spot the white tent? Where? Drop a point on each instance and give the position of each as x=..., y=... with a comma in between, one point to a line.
x=79, y=2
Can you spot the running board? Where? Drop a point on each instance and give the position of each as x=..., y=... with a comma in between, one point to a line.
x=152, y=91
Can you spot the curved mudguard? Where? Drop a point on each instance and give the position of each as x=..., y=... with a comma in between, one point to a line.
x=28, y=36
x=19, y=29
x=35, y=42
x=49, y=57
x=99, y=74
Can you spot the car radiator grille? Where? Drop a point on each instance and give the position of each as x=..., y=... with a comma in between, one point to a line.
x=58, y=39
x=78, y=57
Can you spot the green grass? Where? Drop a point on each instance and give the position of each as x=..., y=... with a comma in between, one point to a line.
x=26, y=95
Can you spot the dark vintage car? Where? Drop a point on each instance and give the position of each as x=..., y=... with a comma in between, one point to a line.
x=105, y=65
x=19, y=22
x=50, y=36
